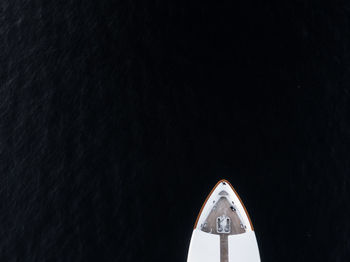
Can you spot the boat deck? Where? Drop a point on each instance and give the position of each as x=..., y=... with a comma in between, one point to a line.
x=223, y=208
x=223, y=220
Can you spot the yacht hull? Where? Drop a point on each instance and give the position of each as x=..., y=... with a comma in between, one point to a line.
x=223, y=230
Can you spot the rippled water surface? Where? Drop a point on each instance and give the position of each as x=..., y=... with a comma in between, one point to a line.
x=117, y=119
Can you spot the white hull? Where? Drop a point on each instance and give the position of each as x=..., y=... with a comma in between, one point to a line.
x=223, y=231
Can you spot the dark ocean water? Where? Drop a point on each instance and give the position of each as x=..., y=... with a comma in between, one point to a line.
x=117, y=118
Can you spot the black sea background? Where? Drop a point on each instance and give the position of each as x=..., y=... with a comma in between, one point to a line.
x=118, y=117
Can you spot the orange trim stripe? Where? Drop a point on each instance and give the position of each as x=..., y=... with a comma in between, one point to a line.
x=205, y=202
x=240, y=200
